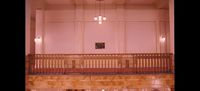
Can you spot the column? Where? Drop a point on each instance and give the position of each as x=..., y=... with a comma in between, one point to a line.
x=34, y=19
x=121, y=31
x=28, y=23
x=39, y=34
x=79, y=29
x=171, y=21
x=158, y=46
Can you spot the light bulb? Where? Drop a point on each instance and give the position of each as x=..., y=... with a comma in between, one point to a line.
x=100, y=22
x=37, y=39
x=95, y=18
x=100, y=18
x=104, y=18
x=162, y=39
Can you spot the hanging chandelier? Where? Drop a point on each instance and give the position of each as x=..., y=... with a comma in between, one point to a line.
x=100, y=17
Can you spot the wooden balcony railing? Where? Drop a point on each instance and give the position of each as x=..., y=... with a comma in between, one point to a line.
x=140, y=63
x=110, y=89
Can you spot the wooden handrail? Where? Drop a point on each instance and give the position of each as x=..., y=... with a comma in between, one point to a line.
x=163, y=88
x=136, y=63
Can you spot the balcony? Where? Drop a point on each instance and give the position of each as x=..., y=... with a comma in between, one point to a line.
x=99, y=64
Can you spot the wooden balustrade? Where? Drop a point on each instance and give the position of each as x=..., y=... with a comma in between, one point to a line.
x=138, y=63
x=110, y=89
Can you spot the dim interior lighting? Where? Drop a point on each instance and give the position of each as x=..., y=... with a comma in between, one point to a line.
x=37, y=39
x=99, y=18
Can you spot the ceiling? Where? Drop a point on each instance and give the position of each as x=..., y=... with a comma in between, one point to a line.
x=68, y=2
x=161, y=4
x=43, y=3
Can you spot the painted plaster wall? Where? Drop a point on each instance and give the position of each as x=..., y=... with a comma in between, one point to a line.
x=140, y=37
x=39, y=31
x=171, y=15
x=125, y=30
x=59, y=38
x=99, y=33
x=59, y=32
x=27, y=40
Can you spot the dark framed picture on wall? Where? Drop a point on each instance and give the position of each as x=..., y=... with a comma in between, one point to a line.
x=100, y=45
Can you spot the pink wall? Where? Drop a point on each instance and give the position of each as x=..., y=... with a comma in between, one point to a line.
x=99, y=33
x=59, y=32
x=39, y=31
x=137, y=30
x=27, y=40
x=171, y=15
x=59, y=38
x=140, y=37
x=142, y=14
x=164, y=31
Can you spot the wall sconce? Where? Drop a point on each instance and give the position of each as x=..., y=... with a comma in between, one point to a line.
x=38, y=40
x=162, y=39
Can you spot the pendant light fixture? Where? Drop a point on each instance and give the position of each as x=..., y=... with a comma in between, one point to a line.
x=100, y=17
